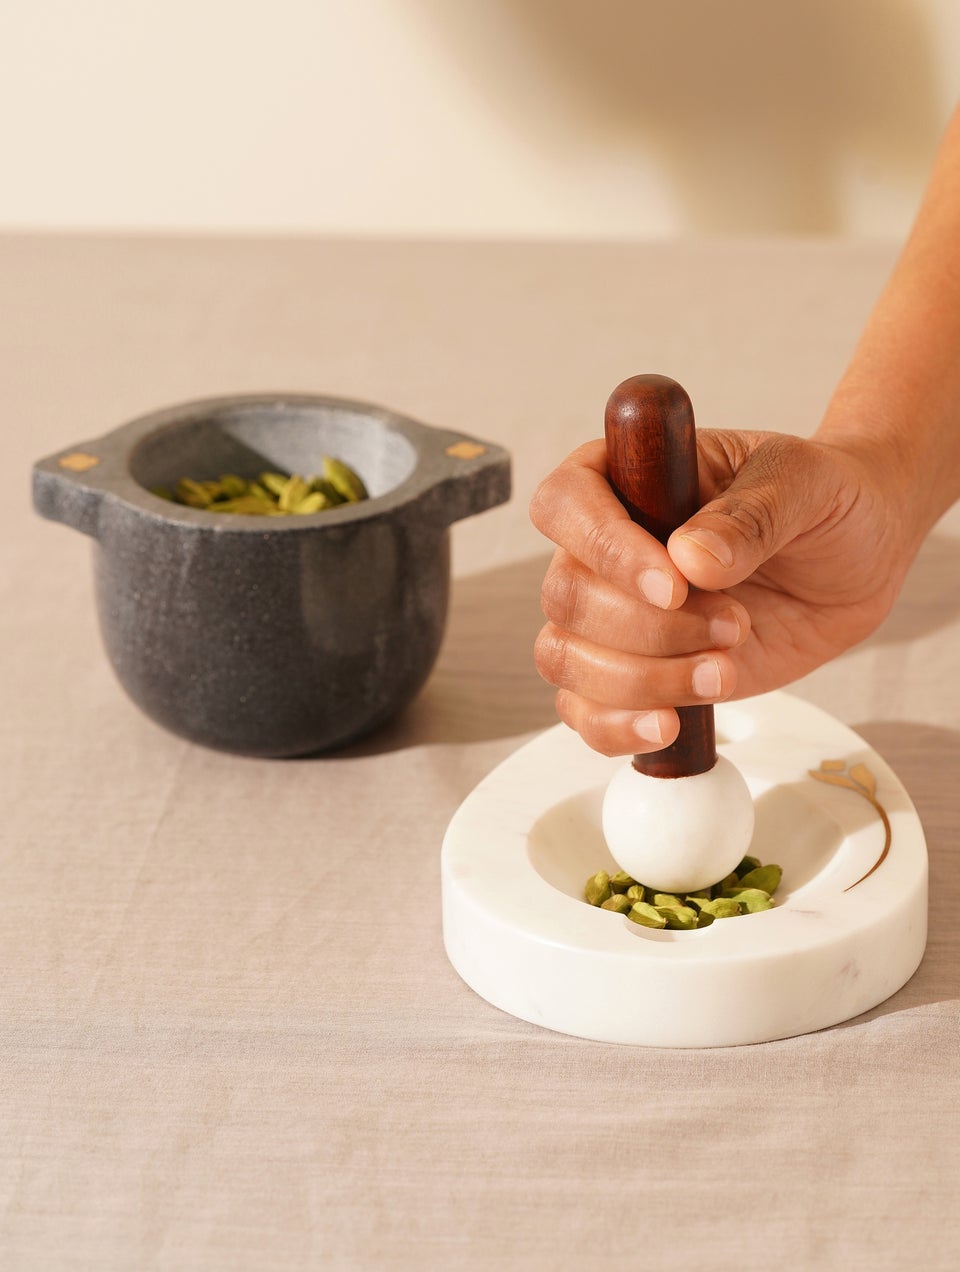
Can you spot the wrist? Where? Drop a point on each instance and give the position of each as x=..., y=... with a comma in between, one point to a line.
x=905, y=438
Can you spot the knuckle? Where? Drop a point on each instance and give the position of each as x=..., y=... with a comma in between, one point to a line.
x=595, y=731
x=592, y=723
x=561, y=596
x=639, y=687
x=551, y=655
x=757, y=510
x=544, y=503
x=750, y=516
x=655, y=633
x=604, y=549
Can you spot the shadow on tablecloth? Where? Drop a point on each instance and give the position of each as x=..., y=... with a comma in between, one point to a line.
x=930, y=597
x=484, y=685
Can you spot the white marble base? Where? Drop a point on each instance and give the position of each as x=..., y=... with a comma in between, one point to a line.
x=519, y=849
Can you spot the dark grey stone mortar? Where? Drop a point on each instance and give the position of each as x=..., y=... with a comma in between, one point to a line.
x=277, y=636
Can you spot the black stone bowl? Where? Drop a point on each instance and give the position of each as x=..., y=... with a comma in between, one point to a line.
x=272, y=636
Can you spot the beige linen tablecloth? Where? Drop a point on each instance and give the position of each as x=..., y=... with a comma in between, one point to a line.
x=229, y=1036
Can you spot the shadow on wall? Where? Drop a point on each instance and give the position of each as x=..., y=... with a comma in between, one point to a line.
x=760, y=115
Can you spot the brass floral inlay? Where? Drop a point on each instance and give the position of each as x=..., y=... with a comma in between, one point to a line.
x=858, y=778
x=78, y=461
x=465, y=450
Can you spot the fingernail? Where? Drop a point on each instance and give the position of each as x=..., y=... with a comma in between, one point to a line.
x=725, y=630
x=706, y=679
x=647, y=727
x=657, y=587
x=711, y=543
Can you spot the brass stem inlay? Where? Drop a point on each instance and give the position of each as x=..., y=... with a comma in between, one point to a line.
x=859, y=779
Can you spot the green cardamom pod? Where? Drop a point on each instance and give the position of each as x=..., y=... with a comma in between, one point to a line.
x=621, y=881
x=721, y=908
x=344, y=479
x=192, y=493
x=753, y=899
x=678, y=916
x=294, y=491
x=246, y=505
x=636, y=892
x=696, y=899
x=597, y=889
x=274, y=482
x=665, y=898
x=646, y=915
x=233, y=486
x=731, y=881
x=765, y=877
x=328, y=489
x=316, y=501
x=618, y=903
x=748, y=863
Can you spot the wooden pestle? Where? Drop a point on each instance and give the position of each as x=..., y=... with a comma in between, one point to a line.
x=686, y=819
x=652, y=467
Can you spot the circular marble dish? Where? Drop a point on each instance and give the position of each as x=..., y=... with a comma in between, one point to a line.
x=848, y=929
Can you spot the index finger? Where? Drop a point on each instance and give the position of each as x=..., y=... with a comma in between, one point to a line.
x=576, y=508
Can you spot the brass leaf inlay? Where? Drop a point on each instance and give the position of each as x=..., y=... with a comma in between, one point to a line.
x=465, y=450
x=859, y=779
x=78, y=461
x=863, y=777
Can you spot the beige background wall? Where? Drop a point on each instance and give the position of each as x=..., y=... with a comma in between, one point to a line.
x=474, y=117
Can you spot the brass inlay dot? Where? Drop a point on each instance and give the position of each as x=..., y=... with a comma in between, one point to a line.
x=465, y=450
x=78, y=461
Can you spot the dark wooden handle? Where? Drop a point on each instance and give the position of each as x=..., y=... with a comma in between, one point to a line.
x=652, y=467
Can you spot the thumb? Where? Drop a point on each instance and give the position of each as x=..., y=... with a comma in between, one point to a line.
x=775, y=496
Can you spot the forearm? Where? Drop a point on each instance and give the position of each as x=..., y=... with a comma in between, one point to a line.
x=900, y=397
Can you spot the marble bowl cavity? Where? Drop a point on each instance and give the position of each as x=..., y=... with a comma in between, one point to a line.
x=566, y=845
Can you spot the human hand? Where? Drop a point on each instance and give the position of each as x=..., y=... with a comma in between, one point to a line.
x=797, y=553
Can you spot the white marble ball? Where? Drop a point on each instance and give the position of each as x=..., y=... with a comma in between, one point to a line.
x=678, y=834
